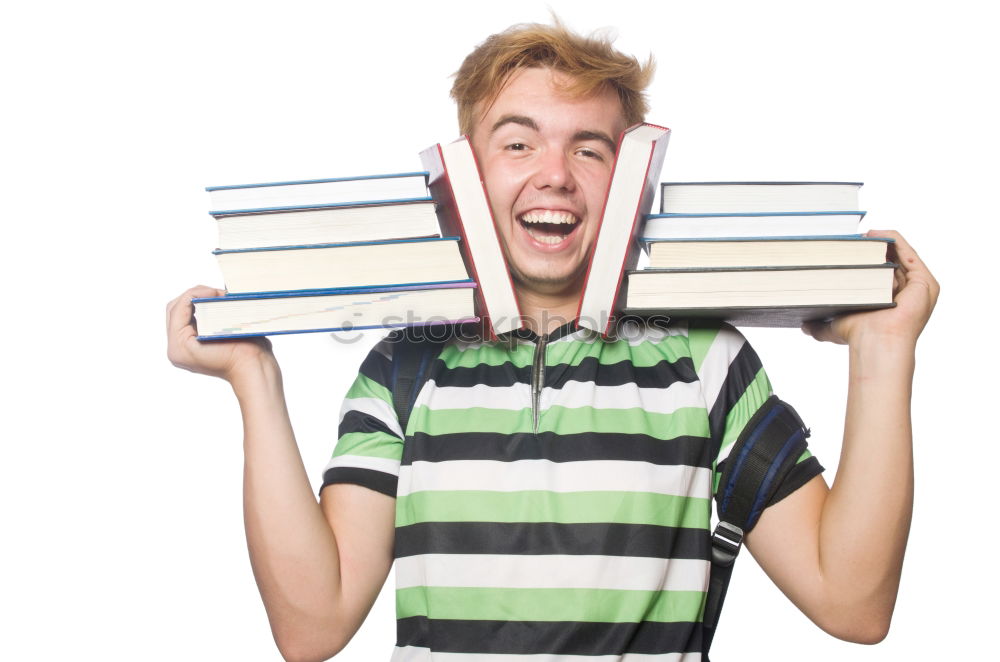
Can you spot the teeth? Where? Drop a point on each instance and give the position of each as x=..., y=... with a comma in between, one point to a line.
x=546, y=238
x=549, y=216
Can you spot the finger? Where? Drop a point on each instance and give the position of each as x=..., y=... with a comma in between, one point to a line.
x=898, y=280
x=818, y=329
x=918, y=295
x=903, y=253
x=910, y=265
x=173, y=304
x=180, y=311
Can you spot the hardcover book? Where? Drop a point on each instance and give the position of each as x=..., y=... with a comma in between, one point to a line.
x=235, y=316
x=321, y=266
x=758, y=316
x=329, y=224
x=766, y=251
x=725, y=197
x=640, y=154
x=464, y=210
x=732, y=293
x=245, y=198
x=731, y=224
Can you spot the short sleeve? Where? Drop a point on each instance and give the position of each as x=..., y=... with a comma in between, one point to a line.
x=735, y=386
x=370, y=443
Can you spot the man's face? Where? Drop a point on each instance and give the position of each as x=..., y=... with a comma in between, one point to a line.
x=546, y=161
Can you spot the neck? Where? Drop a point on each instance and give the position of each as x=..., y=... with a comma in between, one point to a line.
x=543, y=313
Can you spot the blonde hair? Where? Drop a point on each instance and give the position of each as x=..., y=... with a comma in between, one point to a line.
x=590, y=62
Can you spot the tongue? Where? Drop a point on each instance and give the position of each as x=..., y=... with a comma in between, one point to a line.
x=548, y=229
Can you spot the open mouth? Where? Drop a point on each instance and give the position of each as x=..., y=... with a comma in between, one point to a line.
x=548, y=226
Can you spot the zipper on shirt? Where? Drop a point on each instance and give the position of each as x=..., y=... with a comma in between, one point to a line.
x=537, y=381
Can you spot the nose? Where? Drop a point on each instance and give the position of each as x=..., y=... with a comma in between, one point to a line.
x=554, y=171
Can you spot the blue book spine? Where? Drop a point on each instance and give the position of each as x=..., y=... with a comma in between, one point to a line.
x=225, y=251
x=368, y=289
x=339, y=328
x=665, y=184
x=355, y=178
x=852, y=212
x=831, y=237
x=335, y=205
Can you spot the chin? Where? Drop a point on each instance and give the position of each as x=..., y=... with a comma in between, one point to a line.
x=549, y=283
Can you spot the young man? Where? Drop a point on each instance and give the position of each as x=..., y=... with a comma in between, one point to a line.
x=551, y=494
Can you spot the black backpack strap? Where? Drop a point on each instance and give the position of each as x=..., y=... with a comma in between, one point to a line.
x=412, y=353
x=763, y=455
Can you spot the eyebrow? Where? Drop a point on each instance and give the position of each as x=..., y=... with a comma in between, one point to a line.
x=522, y=120
x=600, y=136
x=579, y=136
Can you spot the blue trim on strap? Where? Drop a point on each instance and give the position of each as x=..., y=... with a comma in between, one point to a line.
x=741, y=458
x=758, y=504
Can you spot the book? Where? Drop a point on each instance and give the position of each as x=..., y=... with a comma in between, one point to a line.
x=245, y=198
x=758, y=316
x=742, y=197
x=373, y=221
x=638, y=161
x=730, y=293
x=464, y=210
x=273, y=313
x=777, y=224
x=359, y=264
x=766, y=251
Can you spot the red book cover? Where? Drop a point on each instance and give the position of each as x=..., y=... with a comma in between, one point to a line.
x=463, y=209
x=641, y=150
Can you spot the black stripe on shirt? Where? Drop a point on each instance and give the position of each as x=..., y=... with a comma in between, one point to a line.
x=357, y=421
x=505, y=374
x=540, y=538
x=378, y=368
x=590, y=369
x=373, y=480
x=797, y=476
x=548, y=637
x=742, y=371
x=684, y=450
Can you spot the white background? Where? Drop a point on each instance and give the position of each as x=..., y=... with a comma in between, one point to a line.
x=120, y=475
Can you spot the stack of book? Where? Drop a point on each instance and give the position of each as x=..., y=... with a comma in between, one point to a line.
x=333, y=254
x=367, y=252
x=759, y=254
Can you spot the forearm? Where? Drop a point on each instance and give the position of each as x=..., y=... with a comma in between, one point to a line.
x=866, y=518
x=838, y=553
x=317, y=585
x=293, y=550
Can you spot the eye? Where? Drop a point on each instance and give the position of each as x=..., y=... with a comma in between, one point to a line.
x=590, y=153
x=516, y=147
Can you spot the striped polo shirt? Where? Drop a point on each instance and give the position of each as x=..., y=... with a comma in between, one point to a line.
x=554, y=494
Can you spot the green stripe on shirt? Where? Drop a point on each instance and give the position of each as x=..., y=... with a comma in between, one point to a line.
x=640, y=355
x=370, y=444
x=689, y=421
x=363, y=387
x=549, y=604
x=558, y=507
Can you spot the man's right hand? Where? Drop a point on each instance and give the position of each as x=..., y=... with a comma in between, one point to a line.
x=219, y=358
x=319, y=568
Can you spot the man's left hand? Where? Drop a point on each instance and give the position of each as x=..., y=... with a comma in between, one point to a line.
x=915, y=292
